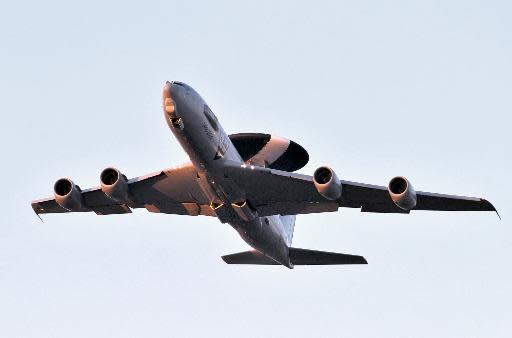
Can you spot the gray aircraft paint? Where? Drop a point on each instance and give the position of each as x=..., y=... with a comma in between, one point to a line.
x=203, y=141
x=257, y=193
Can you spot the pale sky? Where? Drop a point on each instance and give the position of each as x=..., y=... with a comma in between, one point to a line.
x=373, y=89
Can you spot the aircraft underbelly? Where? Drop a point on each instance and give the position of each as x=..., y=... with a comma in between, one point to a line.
x=265, y=234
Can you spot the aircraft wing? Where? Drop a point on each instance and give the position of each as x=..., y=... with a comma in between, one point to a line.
x=273, y=192
x=171, y=191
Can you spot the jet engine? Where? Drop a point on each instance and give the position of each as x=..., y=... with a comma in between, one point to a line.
x=67, y=194
x=115, y=185
x=402, y=193
x=327, y=183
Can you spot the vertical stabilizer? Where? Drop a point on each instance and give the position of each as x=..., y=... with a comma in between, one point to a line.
x=288, y=226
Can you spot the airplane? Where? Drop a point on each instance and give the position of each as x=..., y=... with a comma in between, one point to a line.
x=247, y=180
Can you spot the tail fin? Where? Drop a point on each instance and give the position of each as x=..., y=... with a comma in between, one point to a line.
x=288, y=225
x=297, y=257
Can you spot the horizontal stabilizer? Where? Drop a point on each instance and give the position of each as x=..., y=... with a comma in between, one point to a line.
x=314, y=257
x=249, y=257
x=297, y=257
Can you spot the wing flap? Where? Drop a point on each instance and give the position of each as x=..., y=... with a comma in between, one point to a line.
x=295, y=208
x=112, y=209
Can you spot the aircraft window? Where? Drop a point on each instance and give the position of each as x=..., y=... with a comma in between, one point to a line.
x=211, y=118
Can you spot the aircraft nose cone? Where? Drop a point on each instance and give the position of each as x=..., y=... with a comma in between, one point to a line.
x=169, y=106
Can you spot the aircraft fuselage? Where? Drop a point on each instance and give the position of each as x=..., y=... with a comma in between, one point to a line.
x=211, y=150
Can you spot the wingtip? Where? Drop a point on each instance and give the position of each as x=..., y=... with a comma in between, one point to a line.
x=39, y=216
x=34, y=207
x=491, y=207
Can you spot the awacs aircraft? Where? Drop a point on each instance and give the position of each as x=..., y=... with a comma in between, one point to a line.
x=247, y=181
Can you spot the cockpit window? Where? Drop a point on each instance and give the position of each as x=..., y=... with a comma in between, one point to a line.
x=211, y=118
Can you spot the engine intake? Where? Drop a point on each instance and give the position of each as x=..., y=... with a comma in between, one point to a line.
x=67, y=194
x=327, y=183
x=402, y=193
x=115, y=185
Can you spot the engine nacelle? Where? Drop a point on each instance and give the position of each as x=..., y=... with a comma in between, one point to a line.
x=402, y=193
x=67, y=194
x=327, y=183
x=115, y=185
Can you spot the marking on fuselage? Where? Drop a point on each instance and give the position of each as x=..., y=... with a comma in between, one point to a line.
x=210, y=133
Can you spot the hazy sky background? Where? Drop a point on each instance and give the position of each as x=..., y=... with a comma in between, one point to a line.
x=374, y=89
